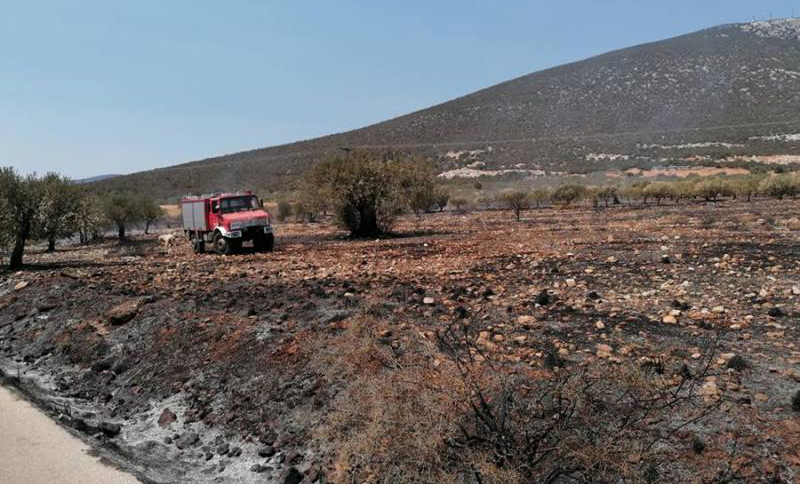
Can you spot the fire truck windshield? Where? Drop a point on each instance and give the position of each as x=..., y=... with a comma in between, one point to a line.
x=239, y=204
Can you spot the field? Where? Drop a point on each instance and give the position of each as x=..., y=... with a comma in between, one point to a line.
x=331, y=358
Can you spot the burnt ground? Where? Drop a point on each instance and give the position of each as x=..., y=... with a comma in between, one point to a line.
x=201, y=368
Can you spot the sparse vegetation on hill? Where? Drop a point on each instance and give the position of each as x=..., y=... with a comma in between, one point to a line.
x=723, y=96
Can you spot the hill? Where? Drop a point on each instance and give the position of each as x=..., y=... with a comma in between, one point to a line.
x=724, y=93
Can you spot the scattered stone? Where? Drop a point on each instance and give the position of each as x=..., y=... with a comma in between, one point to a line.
x=526, y=320
x=123, y=313
x=680, y=305
x=718, y=309
x=698, y=445
x=709, y=390
x=604, y=351
x=20, y=285
x=258, y=468
x=110, y=429
x=599, y=325
x=266, y=451
x=669, y=319
x=665, y=259
x=223, y=449
x=186, y=440
x=796, y=290
x=571, y=282
x=543, y=299
x=291, y=476
x=593, y=296
x=428, y=301
x=776, y=312
x=166, y=418
x=737, y=363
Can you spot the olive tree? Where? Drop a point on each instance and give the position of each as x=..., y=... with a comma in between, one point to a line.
x=58, y=210
x=122, y=210
x=369, y=192
x=515, y=201
x=89, y=217
x=20, y=199
x=540, y=196
x=779, y=186
x=148, y=210
x=569, y=194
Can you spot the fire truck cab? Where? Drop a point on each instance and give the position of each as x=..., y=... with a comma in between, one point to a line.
x=226, y=221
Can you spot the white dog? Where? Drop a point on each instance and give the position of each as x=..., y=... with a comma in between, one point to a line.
x=167, y=241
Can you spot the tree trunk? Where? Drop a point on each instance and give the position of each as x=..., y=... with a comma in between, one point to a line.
x=368, y=223
x=15, y=262
x=51, y=243
x=121, y=232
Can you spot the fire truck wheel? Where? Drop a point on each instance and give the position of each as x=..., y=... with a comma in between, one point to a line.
x=222, y=245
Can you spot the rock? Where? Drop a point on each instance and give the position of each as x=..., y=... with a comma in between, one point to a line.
x=669, y=319
x=235, y=452
x=737, y=363
x=593, y=296
x=776, y=312
x=266, y=451
x=543, y=299
x=186, y=440
x=223, y=449
x=526, y=320
x=599, y=325
x=709, y=390
x=665, y=259
x=166, y=418
x=110, y=429
x=428, y=301
x=101, y=366
x=680, y=305
x=718, y=309
x=796, y=290
x=123, y=313
x=20, y=285
x=258, y=468
x=571, y=282
x=604, y=351
x=291, y=476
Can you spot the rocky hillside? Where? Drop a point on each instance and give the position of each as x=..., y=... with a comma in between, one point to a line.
x=727, y=91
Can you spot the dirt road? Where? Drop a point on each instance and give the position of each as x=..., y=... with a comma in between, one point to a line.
x=34, y=449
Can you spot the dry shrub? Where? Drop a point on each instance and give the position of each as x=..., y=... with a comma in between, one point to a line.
x=414, y=408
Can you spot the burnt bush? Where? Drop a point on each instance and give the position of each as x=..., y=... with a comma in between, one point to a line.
x=441, y=408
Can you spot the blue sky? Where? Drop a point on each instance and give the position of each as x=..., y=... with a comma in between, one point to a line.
x=91, y=87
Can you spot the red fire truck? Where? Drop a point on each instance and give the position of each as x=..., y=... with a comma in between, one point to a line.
x=226, y=221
